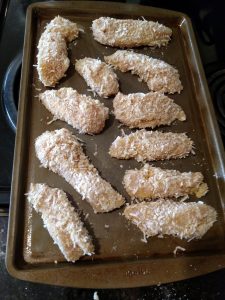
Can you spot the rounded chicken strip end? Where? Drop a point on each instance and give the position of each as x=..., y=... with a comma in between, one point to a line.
x=69, y=30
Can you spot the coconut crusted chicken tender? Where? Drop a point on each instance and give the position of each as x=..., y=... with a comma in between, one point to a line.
x=152, y=183
x=52, y=59
x=151, y=145
x=130, y=33
x=159, y=75
x=166, y=217
x=146, y=110
x=61, y=220
x=80, y=111
x=98, y=75
x=60, y=152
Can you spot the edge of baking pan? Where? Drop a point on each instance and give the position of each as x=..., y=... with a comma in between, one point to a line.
x=134, y=274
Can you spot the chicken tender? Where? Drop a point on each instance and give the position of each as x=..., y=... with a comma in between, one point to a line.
x=61, y=221
x=98, y=76
x=151, y=145
x=130, y=33
x=166, y=217
x=60, y=152
x=80, y=111
x=159, y=75
x=52, y=60
x=152, y=183
x=146, y=110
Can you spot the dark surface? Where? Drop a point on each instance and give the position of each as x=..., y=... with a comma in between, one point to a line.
x=10, y=44
x=210, y=31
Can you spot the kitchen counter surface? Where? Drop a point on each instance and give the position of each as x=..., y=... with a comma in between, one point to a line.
x=211, y=286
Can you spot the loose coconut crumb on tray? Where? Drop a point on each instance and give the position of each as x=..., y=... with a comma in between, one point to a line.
x=178, y=248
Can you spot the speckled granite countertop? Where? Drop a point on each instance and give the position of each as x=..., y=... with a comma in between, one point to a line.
x=211, y=286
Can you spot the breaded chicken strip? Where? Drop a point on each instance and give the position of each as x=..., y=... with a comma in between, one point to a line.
x=98, y=75
x=61, y=221
x=60, y=152
x=80, y=111
x=52, y=60
x=159, y=75
x=130, y=33
x=152, y=183
x=151, y=145
x=146, y=110
x=166, y=217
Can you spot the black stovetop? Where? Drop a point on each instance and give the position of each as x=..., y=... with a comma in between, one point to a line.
x=206, y=16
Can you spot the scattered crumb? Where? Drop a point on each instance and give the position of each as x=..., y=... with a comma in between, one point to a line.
x=37, y=89
x=93, y=92
x=51, y=121
x=184, y=198
x=80, y=140
x=95, y=296
x=192, y=152
x=114, y=248
x=55, y=261
x=178, y=248
x=144, y=240
x=121, y=166
x=106, y=226
x=122, y=132
x=86, y=216
x=96, y=150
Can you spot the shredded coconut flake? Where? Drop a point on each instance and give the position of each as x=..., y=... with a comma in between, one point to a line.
x=178, y=248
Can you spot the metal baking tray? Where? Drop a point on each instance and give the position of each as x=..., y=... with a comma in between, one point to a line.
x=121, y=259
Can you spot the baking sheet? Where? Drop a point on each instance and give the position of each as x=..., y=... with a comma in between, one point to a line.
x=121, y=259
